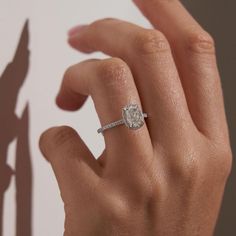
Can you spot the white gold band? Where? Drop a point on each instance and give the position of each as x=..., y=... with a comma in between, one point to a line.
x=111, y=125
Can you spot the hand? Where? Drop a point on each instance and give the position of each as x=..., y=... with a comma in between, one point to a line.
x=168, y=177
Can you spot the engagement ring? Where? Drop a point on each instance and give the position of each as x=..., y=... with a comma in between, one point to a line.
x=133, y=118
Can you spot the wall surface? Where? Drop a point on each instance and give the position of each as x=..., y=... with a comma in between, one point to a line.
x=33, y=57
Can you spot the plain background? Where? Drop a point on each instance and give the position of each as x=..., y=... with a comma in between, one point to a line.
x=48, y=59
x=219, y=18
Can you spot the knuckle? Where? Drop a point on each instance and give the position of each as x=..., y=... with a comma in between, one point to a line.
x=114, y=73
x=62, y=134
x=122, y=203
x=148, y=182
x=186, y=168
x=55, y=137
x=69, y=72
x=200, y=42
x=117, y=207
x=98, y=23
x=223, y=162
x=227, y=164
x=149, y=188
x=151, y=42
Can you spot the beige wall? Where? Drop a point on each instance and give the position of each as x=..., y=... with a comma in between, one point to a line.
x=39, y=56
x=33, y=78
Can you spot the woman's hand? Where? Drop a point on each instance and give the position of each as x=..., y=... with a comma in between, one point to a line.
x=168, y=177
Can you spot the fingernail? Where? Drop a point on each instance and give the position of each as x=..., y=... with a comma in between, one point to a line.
x=76, y=30
x=138, y=2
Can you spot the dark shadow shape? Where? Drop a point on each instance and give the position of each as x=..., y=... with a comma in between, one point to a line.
x=218, y=17
x=12, y=127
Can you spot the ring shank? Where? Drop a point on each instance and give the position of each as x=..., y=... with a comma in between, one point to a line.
x=111, y=125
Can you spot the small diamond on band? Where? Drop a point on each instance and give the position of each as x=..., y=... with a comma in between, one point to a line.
x=133, y=118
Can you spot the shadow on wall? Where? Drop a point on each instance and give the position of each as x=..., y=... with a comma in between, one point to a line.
x=11, y=127
x=218, y=17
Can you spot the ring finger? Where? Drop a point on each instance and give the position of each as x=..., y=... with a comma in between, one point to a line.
x=112, y=87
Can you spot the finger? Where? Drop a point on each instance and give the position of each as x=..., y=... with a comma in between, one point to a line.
x=195, y=58
x=148, y=54
x=111, y=85
x=73, y=164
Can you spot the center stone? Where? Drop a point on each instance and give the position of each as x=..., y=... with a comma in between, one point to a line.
x=133, y=116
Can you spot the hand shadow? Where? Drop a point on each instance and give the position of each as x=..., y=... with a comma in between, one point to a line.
x=11, y=127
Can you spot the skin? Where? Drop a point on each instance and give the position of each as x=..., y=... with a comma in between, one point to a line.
x=168, y=177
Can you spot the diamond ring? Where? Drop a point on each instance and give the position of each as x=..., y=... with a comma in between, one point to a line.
x=133, y=118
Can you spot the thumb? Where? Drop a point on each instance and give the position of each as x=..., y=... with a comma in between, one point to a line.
x=71, y=160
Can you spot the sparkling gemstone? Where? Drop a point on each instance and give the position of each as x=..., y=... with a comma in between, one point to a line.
x=133, y=116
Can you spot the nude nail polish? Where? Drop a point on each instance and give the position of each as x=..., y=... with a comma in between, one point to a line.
x=76, y=30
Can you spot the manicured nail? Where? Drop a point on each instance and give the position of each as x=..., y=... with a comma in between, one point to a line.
x=76, y=30
x=138, y=2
